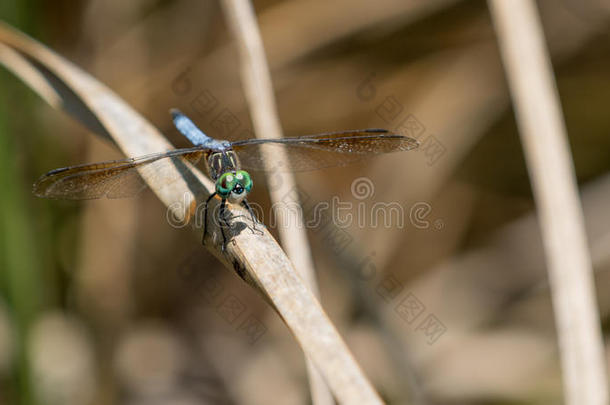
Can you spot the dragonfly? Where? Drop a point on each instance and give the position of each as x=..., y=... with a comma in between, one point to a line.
x=224, y=161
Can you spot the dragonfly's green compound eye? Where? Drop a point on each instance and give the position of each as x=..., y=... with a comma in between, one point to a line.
x=225, y=184
x=235, y=185
x=243, y=178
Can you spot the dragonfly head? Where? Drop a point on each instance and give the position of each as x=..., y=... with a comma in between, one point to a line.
x=234, y=186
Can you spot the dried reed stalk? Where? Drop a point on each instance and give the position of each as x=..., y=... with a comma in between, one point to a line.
x=551, y=171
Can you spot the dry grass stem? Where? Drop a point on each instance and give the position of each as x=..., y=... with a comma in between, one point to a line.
x=551, y=171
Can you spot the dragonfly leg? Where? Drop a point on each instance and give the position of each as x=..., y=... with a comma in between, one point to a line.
x=205, y=218
x=252, y=216
x=224, y=222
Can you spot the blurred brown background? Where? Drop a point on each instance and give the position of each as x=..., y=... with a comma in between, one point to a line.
x=101, y=302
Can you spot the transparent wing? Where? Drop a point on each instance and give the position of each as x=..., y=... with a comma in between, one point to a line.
x=324, y=150
x=111, y=179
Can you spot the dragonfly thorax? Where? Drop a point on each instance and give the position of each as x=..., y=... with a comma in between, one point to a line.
x=220, y=162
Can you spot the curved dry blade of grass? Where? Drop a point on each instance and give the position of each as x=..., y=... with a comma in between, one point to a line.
x=551, y=171
x=256, y=258
x=21, y=68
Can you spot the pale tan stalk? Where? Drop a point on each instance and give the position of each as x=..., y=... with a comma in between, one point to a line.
x=549, y=162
